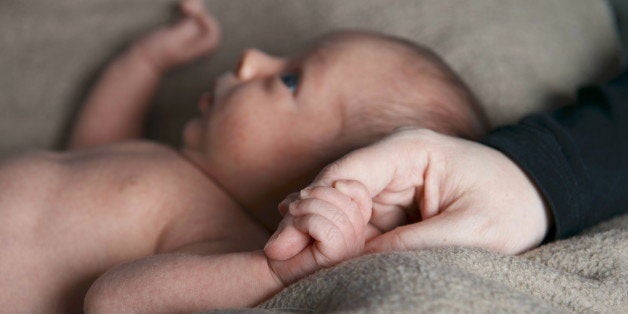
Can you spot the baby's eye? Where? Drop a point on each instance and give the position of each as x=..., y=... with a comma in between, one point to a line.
x=291, y=81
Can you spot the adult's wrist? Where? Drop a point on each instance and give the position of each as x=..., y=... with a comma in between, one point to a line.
x=537, y=152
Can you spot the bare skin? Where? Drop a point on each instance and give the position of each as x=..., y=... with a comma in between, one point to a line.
x=194, y=220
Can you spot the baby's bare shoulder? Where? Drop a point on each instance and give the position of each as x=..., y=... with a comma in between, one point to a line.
x=114, y=171
x=80, y=212
x=51, y=166
x=134, y=188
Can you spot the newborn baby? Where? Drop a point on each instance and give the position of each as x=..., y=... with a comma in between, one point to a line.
x=184, y=230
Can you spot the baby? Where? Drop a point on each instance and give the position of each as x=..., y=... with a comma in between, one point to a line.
x=185, y=230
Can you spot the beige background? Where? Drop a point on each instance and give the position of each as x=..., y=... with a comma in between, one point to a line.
x=518, y=56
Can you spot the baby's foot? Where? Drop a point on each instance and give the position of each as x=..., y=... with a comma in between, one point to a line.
x=195, y=35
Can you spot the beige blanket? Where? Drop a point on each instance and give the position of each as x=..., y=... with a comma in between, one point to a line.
x=588, y=273
x=518, y=56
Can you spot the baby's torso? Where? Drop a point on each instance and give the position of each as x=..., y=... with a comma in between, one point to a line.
x=73, y=215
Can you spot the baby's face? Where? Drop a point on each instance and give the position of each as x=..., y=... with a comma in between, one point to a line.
x=275, y=122
x=275, y=118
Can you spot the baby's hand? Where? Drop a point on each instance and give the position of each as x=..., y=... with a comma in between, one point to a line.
x=322, y=226
x=195, y=35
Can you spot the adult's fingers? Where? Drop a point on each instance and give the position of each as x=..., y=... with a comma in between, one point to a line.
x=385, y=217
x=446, y=229
x=369, y=165
x=395, y=163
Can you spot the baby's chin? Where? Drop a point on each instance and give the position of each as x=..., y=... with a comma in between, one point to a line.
x=192, y=134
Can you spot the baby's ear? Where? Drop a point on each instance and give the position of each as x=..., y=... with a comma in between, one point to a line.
x=359, y=194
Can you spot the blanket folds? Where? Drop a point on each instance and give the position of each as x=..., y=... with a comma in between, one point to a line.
x=587, y=273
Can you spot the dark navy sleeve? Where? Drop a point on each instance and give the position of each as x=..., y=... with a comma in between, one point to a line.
x=577, y=156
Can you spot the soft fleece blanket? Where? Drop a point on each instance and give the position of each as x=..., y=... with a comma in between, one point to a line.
x=517, y=56
x=587, y=273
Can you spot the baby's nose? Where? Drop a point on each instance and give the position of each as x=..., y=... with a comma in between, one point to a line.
x=255, y=63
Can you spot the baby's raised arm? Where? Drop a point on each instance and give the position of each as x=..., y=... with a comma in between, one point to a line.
x=116, y=106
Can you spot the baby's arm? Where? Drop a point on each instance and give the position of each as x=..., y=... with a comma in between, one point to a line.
x=172, y=283
x=192, y=282
x=116, y=106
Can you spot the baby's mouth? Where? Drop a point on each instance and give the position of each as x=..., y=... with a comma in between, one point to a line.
x=205, y=102
x=222, y=86
x=224, y=83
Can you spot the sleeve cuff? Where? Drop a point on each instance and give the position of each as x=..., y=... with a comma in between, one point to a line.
x=533, y=146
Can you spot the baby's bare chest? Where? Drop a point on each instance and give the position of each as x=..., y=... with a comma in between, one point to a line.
x=119, y=196
x=67, y=217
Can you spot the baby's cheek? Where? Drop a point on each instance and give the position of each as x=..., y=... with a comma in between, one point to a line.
x=242, y=137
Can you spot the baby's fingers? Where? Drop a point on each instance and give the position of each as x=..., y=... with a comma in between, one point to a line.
x=287, y=241
x=358, y=193
x=334, y=203
x=283, y=206
x=331, y=246
x=348, y=222
x=192, y=7
x=197, y=11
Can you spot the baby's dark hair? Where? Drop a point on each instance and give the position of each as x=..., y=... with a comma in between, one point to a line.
x=418, y=89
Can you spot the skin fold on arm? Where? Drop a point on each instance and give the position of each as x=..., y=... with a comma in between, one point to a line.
x=184, y=282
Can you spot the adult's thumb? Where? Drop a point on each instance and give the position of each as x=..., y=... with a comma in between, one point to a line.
x=366, y=165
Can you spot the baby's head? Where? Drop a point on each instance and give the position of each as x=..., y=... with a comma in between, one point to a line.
x=275, y=122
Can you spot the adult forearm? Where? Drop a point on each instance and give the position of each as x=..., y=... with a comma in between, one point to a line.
x=184, y=283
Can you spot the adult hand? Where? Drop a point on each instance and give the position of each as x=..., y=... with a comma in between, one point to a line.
x=432, y=190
